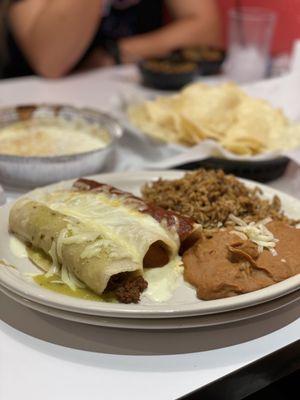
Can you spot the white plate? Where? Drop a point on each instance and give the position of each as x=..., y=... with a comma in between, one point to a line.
x=200, y=321
x=184, y=301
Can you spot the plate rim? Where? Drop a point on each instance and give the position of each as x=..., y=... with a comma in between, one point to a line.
x=159, y=324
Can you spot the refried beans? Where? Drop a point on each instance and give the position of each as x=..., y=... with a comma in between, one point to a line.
x=223, y=265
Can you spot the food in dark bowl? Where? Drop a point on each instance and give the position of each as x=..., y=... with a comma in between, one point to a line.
x=167, y=74
x=209, y=59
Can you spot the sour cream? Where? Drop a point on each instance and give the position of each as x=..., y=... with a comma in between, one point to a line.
x=162, y=282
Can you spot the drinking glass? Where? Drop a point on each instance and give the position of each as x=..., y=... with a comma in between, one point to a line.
x=251, y=31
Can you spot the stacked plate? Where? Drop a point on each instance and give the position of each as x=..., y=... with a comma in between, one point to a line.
x=183, y=310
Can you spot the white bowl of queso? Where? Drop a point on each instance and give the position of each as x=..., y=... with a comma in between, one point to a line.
x=41, y=144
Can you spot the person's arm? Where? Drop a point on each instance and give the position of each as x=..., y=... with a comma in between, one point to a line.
x=196, y=22
x=53, y=34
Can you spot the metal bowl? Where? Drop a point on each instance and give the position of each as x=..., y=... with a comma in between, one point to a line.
x=28, y=172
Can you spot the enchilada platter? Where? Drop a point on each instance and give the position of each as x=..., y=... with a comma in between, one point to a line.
x=132, y=237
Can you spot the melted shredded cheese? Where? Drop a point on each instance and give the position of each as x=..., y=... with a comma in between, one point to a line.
x=59, y=269
x=70, y=279
x=104, y=226
x=99, y=216
x=55, y=267
x=257, y=232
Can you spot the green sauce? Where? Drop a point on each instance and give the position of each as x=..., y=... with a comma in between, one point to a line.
x=43, y=261
x=4, y=263
x=39, y=258
x=51, y=283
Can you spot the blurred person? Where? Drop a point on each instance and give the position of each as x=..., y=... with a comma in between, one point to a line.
x=53, y=37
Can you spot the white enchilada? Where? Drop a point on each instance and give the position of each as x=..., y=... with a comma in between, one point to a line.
x=99, y=236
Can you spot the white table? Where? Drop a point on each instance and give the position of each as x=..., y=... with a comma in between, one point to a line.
x=37, y=355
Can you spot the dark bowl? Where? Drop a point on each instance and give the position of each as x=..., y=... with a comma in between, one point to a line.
x=260, y=171
x=164, y=80
x=209, y=59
